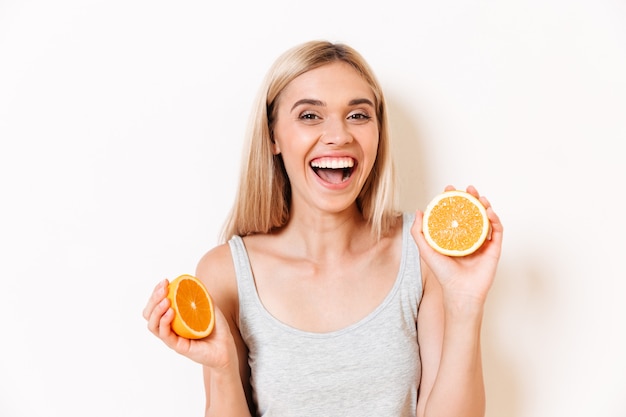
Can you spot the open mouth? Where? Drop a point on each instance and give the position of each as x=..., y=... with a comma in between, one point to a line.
x=333, y=170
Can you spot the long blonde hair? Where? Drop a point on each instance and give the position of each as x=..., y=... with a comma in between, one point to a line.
x=264, y=195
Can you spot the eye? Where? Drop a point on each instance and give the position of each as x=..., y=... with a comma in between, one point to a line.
x=308, y=116
x=359, y=116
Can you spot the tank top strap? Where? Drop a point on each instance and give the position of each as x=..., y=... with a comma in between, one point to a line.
x=243, y=270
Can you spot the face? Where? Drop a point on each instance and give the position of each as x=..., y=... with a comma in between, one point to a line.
x=326, y=130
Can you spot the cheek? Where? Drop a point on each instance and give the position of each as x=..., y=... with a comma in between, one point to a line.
x=286, y=137
x=291, y=155
x=371, y=150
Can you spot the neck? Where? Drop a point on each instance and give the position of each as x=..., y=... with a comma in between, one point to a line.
x=326, y=236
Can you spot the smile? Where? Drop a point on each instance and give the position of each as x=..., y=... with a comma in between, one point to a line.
x=333, y=170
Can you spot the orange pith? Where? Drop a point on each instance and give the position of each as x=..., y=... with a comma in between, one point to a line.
x=193, y=307
x=455, y=223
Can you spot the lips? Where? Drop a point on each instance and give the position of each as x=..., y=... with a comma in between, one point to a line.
x=334, y=170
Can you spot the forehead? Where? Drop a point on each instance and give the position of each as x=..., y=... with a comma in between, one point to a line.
x=337, y=81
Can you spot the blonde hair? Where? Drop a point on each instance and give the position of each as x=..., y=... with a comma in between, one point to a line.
x=264, y=194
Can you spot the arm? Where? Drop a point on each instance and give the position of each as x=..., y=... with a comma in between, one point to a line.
x=222, y=352
x=449, y=339
x=227, y=388
x=449, y=322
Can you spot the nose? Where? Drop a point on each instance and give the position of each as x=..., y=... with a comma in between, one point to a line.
x=336, y=132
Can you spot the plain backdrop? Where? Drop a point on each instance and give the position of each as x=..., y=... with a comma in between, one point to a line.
x=121, y=127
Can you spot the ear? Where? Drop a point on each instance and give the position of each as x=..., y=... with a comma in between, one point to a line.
x=275, y=147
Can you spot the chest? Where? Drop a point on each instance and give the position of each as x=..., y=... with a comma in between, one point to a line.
x=325, y=297
x=371, y=367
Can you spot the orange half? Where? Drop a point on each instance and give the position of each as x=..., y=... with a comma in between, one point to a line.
x=193, y=307
x=455, y=223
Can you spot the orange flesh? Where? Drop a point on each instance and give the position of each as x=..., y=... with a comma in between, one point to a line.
x=455, y=223
x=193, y=307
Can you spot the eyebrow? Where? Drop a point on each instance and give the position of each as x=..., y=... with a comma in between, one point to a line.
x=307, y=101
x=314, y=102
x=358, y=101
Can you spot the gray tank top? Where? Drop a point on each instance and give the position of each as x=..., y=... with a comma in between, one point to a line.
x=370, y=368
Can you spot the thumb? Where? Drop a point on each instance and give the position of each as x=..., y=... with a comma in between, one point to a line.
x=425, y=250
x=416, y=229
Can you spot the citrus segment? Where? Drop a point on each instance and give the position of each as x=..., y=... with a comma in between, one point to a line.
x=455, y=223
x=194, y=317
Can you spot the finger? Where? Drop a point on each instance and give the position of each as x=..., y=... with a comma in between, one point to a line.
x=156, y=316
x=495, y=230
x=484, y=201
x=165, y=331
x=416, y=228
x=472, y=190
x=491, y=215
x=175, y=342
x=159, y=292
x=418, y=234
x=449, y=187
x=157, y=295
x=494, y=219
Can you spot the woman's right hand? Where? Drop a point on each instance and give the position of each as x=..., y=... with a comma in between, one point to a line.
x=217, y=351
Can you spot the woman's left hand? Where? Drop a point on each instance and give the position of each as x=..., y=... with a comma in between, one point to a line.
x=466, y=278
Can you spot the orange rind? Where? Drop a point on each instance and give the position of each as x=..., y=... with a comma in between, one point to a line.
x=194, y=315
x=455, y=223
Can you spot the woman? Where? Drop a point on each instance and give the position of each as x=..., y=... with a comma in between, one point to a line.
x=329, y=301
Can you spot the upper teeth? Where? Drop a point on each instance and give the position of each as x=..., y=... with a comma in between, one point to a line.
x=333, y=163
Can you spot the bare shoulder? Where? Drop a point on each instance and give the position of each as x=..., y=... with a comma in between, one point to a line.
x=216, y=262
x=216, y=270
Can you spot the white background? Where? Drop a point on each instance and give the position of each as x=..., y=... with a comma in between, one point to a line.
x=121, y=126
